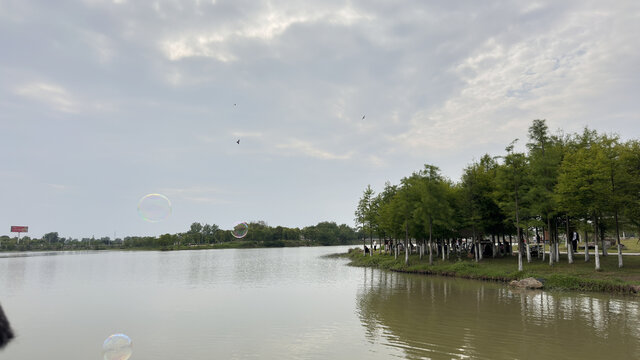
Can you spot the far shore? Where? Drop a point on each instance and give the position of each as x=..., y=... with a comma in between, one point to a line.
x=225, y=245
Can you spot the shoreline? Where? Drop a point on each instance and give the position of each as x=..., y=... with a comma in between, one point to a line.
x=562, y=276
x=217, y=246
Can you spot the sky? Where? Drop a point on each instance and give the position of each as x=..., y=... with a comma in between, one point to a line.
x=104, y=102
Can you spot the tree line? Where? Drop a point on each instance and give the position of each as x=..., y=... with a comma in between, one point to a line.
x=588, y=183
x=259, y=234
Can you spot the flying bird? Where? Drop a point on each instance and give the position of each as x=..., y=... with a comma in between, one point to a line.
x=238, y=142
x=234, y=104
x=363, y=117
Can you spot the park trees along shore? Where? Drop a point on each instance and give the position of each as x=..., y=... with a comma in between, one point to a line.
x=583, y=185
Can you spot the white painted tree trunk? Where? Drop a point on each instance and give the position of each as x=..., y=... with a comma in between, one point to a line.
x=551, y=253
x=586, y=246
x=619, y=255
x=406, y=253
x=520, y=268
x=430, y=253
x=395, y=250
x=570, y=253
x=528, y=253
x=597, y=258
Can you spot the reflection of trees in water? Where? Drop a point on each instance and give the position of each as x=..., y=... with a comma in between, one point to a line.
x=444, y=318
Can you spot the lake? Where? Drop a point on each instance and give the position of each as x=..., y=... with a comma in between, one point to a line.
x=291, y=303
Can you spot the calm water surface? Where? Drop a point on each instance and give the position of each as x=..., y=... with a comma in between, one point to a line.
x=292, y=304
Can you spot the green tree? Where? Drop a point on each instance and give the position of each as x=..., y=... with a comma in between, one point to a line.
x=365, y=215
x=583, y=182
x=511, y=185
x=630, y=183
x=433, y=207
x=51, y=237
x=195, y=232
x=545, y=156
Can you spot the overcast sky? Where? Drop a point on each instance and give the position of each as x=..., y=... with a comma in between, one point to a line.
x=103, y=102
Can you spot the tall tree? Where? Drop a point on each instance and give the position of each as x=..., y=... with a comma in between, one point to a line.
x=630, y=184
x=612, y=150
x=545, y=156
x=433, y=207
x=583, y=182
x=365, y=215
x=511, y=185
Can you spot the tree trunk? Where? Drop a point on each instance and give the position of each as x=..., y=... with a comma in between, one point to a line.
x=543, y=247
x=595, y=240
x=586, y=245
x=569, y=244
x=475, y=243
x=430, y=241
x=443, y=249
x=556, y=241
x=618, y=240
x=528, y=246
x=510, y=245
x=597, y=258
x=493, y=246
x=364, y=245
x=601, y=235
x=395, y=249
x=406, y=247
x=547, y=236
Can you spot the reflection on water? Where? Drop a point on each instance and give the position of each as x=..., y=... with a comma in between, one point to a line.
x=445, y=318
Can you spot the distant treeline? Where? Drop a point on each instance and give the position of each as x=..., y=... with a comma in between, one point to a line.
x=584, y=182
x=259, y=235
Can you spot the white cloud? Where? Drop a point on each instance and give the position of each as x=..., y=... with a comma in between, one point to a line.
x=299, y=147
x=216, y=42
x=50, y=94
x=506, y=85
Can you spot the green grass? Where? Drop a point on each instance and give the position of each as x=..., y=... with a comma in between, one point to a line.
x=580, y=275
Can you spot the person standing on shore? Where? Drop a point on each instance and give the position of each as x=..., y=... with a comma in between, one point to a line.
x=5, y=329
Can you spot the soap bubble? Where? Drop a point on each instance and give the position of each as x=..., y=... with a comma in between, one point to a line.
x=240, y=229
x=117, y=347
x=154, y=207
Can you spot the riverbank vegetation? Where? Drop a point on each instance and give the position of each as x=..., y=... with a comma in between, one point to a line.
x=198, y=236
x=583, y=186
x=563, y=276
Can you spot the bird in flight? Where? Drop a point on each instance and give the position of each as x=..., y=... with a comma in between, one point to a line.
x=363, y=117
x=234, y=104
x=238, y=142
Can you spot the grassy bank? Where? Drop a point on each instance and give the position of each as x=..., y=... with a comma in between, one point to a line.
x=580, y=275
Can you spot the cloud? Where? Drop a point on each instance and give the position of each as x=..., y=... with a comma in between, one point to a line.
x=50, y=94
x=295, y=147
x=506, y=84
x=218, y=41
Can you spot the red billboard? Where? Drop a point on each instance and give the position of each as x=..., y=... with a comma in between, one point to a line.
x=19, y=229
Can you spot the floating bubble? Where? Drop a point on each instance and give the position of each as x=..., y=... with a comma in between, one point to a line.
x=154, y=207
x=240, y=230
x=117, y=347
